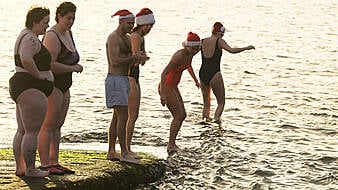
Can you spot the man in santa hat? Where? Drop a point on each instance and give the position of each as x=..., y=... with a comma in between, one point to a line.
x=144, y=23
x=120, y=57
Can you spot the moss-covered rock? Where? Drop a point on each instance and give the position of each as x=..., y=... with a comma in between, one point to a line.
x=93, y=171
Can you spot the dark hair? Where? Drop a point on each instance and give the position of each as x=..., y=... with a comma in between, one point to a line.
x=136, y=28
x=35, y=15
x=64, y=8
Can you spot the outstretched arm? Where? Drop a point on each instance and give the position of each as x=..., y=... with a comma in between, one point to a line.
x=225, y=46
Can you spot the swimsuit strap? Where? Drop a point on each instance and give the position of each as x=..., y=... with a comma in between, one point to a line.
x=62, y=44
x=216, y=49
x=17, y=50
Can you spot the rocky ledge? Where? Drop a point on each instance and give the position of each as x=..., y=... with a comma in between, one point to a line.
x=93, y=171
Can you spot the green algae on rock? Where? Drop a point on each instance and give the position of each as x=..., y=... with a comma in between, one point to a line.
x=93, y=171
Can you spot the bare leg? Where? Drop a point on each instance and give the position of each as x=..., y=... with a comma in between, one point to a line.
x=133, y=111
x=56, y=137
x=206, y=101
x=20, y=162
x=49, y=126
x=217, y=87
x=122, y=116
x=112, y=136
x=176, y=107
x=32, y=105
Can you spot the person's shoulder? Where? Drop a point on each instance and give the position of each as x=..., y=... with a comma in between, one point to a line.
x=135, y=35
x=50, y=35
x=113, y=38
x=179, y=53
x=29, y=38
x=113, y=35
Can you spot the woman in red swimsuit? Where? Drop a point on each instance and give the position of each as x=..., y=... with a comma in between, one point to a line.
x=168, y=90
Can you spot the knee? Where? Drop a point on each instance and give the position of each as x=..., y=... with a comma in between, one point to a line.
x=182, y=116
x=221, y=102
x=133, y=117
x=19, y=134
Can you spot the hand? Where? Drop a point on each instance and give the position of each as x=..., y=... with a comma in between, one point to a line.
x=163, y=101
x=78, y=68
x=250, y=47
x=42, y=77
x=141, y=57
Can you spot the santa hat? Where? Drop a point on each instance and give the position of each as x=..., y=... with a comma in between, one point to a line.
x=218, y=28
x=193, y=40
x=124, y=13
x=145, y=16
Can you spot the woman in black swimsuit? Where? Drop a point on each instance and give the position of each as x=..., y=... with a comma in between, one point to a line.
x=210, y=75
x=29, y=87
x=59, y=41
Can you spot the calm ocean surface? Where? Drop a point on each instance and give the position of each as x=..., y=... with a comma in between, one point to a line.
x=280, y=121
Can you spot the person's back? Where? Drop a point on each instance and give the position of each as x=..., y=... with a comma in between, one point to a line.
x=211, y=58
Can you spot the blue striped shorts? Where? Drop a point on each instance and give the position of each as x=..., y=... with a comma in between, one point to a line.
x=117, y=90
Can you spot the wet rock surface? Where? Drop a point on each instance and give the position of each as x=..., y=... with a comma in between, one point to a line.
x=93, y=171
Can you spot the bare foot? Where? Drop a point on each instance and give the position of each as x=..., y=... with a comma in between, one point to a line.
x=36, y=173
x=19, y=173
x=172, y=149
x=113, y=156
x=218, y=121
x=128, y=158
x=134, y=155
x=207, y=119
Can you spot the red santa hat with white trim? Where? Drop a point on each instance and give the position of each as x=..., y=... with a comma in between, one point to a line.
x=193, y=40
x=145, y=16
x=123, y=13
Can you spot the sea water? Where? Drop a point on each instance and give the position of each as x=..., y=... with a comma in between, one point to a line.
x=279, y=128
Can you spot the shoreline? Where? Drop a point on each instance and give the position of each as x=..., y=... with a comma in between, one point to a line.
x=160, y=152
x=93, y=171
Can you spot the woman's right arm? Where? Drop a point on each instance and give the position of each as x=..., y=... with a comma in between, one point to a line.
x=30, y=45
